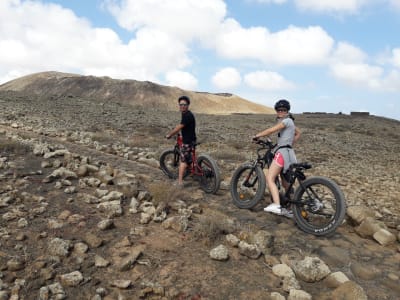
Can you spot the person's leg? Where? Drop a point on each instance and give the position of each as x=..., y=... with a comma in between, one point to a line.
x=273, y=172
x=266, y=188
x=186, y=158
x=284, y=182
x=182, y=169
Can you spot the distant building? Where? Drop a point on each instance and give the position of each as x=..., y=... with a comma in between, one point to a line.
x=359, y=113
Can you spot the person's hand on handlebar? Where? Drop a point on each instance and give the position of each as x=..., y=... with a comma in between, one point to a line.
x=167, y=136
x=255, y=139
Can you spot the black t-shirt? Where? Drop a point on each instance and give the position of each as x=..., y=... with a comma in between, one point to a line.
x=189, y=129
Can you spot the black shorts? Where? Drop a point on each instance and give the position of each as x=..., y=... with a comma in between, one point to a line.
x=186, y=153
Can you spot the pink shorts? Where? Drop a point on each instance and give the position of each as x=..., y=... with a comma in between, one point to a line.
x=278, y=158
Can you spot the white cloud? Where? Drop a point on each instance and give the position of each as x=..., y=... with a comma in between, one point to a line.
x=396, y=57
x=392, y=82
x=183, y=80
x=346, y=52
x=367, y=77
x=264, y=80
x=293, y=45
x=357, y=74
x=227, y=79
x=184, y=19
x=395, y=3
x=271, y=1
x=343, y=6
x=34, y=37
x=349, y=65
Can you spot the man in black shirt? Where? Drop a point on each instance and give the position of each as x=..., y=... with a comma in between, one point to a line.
x=187, y=127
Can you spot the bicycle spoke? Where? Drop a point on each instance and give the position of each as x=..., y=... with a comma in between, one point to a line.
x=169, y=163
x=247, y=186
x=210, y=179
x=321, y=207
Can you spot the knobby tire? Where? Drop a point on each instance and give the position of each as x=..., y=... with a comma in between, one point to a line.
x=169, y=163
x=324, y=220
x=247, y=196
x=211, y=179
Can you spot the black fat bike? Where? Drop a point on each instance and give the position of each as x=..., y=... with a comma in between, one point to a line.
x=318, y=203
x=202, y=167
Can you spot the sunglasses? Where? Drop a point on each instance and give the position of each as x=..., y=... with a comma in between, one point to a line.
x=281, y=110
x=183, y=104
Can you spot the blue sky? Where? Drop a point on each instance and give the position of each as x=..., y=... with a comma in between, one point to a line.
x=332, y=55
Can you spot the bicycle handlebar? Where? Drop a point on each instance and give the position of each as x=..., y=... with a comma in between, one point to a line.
x=266, y=143
x=178, y=138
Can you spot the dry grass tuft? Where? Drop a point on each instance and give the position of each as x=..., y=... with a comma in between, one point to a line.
x=164, y=192
x=143, y=141
x=11, y=146
x=211, y=226
x=221, y=151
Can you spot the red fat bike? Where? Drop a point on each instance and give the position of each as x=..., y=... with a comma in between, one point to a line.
x=202, y=167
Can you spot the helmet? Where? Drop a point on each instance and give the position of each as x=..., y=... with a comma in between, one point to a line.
x=186, y=98
x=282, y=104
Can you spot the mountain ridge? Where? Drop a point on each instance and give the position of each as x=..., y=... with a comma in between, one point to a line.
x=129, y=91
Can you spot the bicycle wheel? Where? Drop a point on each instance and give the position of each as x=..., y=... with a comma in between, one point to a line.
x=247, y=186
x=211, y=179
x=322, y=208
x=169, y=163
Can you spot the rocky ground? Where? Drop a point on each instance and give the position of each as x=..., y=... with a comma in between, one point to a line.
x=87, y=214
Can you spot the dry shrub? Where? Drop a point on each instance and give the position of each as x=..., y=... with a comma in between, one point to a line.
x=143, y=141
x=229, y=155
x=236, y=145
x=211, y=226
x=12, y=146
x=164, y=192
x=343, y=128
x=104, y=137
x=221, y=151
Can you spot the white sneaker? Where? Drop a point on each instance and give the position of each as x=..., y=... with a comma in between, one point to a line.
x=287, y=213
x=273, y=208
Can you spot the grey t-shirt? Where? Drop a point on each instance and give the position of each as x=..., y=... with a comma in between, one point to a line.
x=286, y=137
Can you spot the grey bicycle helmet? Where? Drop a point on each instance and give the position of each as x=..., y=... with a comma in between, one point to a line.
x=185, y=98
x=282, y=104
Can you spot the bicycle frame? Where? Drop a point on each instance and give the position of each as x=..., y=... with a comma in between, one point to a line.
x=295, y=172
x=194, y=167
x=317, y=202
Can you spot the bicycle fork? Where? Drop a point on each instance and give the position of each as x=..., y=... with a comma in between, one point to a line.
x=251, y=179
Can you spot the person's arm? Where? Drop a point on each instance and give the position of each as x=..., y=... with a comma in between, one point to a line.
x=270, y=130
x=175, y=130
x=297, y=134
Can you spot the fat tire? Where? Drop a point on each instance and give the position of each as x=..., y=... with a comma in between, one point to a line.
x=173, y=171
x=259, y=194
x=340, y=208
x=205, y=159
